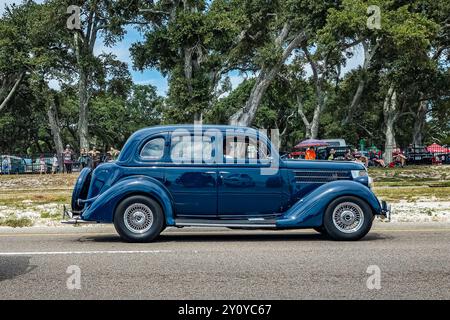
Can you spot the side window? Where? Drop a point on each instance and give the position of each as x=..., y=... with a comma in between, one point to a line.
x=244, y=148
x=187, y=148
x=153, y=149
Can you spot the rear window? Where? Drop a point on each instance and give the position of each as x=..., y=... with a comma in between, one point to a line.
x=153, y=149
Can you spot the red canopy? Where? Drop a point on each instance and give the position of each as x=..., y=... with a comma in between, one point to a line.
x=311, y=143
x=435, y=148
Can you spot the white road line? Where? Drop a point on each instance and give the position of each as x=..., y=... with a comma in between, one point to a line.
x=43, y=253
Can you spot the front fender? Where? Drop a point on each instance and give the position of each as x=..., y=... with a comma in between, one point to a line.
x=102, y=209
x=308, y=211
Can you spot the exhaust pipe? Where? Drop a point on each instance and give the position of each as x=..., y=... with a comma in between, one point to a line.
x=77, y=221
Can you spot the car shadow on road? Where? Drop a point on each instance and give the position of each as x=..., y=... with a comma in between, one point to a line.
x=14, y=266
x=233, y=236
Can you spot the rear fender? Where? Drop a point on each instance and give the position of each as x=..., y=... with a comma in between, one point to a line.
x=102, y=209
x=308, y=211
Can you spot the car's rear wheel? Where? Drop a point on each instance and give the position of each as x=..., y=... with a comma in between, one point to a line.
x=139, y=219
x=348, y=218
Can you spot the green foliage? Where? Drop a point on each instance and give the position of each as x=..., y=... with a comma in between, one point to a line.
x=198, y=44
x=16, y=222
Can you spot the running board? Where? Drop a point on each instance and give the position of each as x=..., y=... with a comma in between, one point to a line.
x=252, y=223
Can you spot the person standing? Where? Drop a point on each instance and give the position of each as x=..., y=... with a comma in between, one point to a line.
x=310, y=154
x=84, y=158
x=42, y=165
x=114, y=153
x=55, y=164
x=95, y=155
x=68, y=159
x=5, y=165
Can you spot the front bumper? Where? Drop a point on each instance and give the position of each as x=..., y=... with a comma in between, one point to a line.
x=385, y=210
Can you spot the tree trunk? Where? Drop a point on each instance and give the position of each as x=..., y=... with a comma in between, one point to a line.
x=369, y=52
x=12, y=91
x=83, y=93
x=390, y=113
x=419, y=124
x=312, y=128
x=315, y=121
x=53, y=120
x=188, y=69
x=84, y=48
x=303, y=116
x=246, y=115
x=355, y=100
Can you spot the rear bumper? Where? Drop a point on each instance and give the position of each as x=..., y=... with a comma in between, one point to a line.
x=73, y=217
x=385, y=210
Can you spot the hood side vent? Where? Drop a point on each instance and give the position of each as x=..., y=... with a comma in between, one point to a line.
x=322, y=176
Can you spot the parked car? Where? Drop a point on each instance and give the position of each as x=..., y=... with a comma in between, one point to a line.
x=36, y=165
x=418, y=155
x=185, y=176
x=15, y=164
x=324, y=152
x=335, y=142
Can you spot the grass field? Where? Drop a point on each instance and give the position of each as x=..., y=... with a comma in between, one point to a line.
x=29, y=199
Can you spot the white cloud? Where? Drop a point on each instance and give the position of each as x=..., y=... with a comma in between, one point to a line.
x=5, y=3
x=355, y=61
x=54, y=84
x=121, y=51
x=236, y=80
x=160, y=84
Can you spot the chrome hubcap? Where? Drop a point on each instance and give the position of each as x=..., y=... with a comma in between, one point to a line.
x=348, y=217
x=138, y=218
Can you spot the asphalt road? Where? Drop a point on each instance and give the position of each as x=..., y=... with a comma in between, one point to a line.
x=414, y=261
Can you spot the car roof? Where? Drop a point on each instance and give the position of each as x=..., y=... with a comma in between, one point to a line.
x=174, y=127
x=145, y=132
x=142, y=134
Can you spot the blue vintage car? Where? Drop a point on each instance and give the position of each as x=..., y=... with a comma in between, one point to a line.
x=222, y=176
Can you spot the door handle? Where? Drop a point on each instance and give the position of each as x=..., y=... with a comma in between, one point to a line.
x=210, y=172
x=223, y=172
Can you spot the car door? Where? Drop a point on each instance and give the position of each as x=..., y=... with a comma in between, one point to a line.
x=245, y=189
x=192, y=175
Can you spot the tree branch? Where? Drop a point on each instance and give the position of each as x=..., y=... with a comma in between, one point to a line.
x=301, y=113
x=12, y=91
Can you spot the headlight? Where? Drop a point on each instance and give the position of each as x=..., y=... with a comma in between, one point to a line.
x=359, y=173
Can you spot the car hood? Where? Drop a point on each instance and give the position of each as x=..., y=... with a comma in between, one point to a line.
x=322, y=165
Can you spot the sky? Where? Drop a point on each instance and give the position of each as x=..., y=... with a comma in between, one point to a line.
x=121, y=51
x=154, y=77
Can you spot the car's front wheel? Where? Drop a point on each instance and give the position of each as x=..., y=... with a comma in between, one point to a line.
x=348, y=218
x=139, y=219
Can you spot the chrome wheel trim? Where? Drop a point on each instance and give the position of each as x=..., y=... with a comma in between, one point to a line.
x=348, y=217
x=138, y=218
